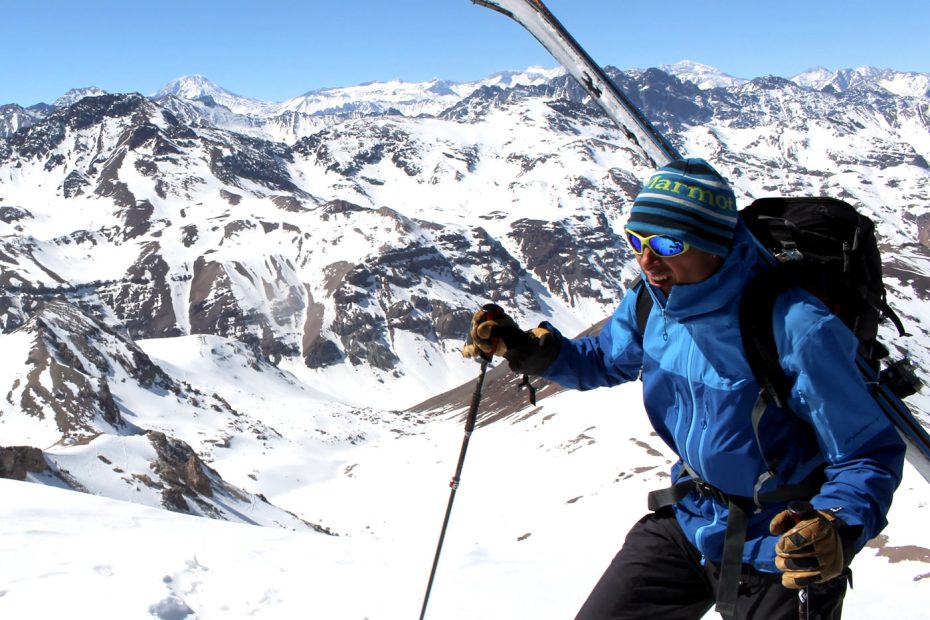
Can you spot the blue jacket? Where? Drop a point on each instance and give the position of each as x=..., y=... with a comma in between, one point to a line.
x=699, y=393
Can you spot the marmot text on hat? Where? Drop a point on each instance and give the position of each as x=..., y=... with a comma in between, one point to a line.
x=687, y=199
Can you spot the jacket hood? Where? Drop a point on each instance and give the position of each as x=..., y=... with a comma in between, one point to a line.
x=724, y=286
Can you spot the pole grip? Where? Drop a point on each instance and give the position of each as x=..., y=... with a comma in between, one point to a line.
x=802, y=510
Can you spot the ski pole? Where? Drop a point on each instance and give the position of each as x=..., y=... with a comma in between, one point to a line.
x=454, y=483
x=802, y=510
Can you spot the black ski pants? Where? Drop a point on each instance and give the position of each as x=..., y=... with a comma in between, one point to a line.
x=658, y=575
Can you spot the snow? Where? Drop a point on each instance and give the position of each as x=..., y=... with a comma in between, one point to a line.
x=546, y=498
x=197, y=86
x=28, y=430
x=544, y=503
x=410, y=98
x=76, y=94
x=902, y=83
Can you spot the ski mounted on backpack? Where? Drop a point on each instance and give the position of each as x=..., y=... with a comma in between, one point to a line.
x=889, y=385
x=542, y=24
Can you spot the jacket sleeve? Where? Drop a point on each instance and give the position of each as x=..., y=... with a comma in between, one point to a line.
x=612, y=357
x=864, y=454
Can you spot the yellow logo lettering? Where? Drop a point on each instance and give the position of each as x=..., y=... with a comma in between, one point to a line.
x=702, y=195
x=694, y=192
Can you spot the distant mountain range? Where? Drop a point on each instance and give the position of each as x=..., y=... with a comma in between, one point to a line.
x=902, y=83
x=430, y=98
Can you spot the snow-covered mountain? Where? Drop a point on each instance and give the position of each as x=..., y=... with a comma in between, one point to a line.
x=904, y=84
x=76, y=94
x=363, y=246
x=232, y=308
x=407, y=98
x=901, y=83
x=14, y=117
x=701, y=75
x=199, y=88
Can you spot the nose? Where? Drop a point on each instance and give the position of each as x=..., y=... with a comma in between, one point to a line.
x=648, y=257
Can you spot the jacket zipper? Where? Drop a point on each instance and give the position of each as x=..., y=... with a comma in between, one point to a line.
x=699, y=465
x=694, y=416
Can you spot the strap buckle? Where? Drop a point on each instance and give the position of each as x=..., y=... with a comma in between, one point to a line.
x=707, y=490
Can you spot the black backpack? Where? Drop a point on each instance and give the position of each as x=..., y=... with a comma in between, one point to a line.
x=827, y=247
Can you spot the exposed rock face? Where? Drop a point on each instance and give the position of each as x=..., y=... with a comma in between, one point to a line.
x=270, y=307
x=189, y=485
x=143, y=301
x=17, y=462
x=212, y=304
x=68, y=375
x=87, y=386
x=73, y=363
x=573, y=259
x=182, y=472
x=923, y=229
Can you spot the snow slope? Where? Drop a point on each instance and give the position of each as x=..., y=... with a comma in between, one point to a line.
x=544, y=504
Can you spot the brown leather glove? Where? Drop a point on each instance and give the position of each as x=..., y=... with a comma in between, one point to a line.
x=493, y=332
x=491, y=327
x=811, y=548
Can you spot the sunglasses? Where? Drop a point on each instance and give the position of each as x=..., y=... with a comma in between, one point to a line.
x=660, y=245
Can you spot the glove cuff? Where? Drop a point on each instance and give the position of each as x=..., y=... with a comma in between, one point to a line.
x=536, y=354
x=850, y=536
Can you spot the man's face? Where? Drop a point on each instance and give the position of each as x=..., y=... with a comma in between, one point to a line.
x=691, y=266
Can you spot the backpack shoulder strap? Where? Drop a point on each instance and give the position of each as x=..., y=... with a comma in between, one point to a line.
x=758, y=333
x=643, y=304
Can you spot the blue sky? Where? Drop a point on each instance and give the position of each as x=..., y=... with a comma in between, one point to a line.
x=278, y=49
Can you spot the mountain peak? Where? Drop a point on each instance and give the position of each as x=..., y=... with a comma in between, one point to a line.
x=76, y=94
x=703, y=76
x=191, y=87
x=197, y=87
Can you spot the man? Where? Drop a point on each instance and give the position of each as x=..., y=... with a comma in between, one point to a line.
x=723, y=533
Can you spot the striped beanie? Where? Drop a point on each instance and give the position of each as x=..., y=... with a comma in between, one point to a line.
x=689, y=200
